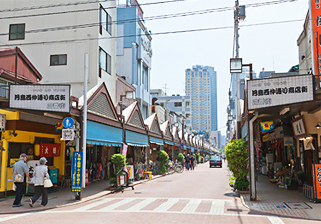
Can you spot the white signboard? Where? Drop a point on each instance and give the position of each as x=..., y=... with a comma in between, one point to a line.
x=40, y=97
x=68, y=134
x=298, y=128
x=2, y=122
x=272, y=92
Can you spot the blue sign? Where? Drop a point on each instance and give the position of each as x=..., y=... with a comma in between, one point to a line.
x=182, y=145
x=68, y=122
x=76, y=174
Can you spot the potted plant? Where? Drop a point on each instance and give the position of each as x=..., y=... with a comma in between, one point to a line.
x=120, y=161
x=180, y=158
x=163, y=158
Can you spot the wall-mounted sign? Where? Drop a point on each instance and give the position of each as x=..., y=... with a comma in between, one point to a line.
x=288, y=141
x=40, y=97
x=49, y=150
x=2, y=122
x=76, y=174
x=271, y=92
x=316, y=173
x=299, y=128
x=68, y=134
x=267, y=126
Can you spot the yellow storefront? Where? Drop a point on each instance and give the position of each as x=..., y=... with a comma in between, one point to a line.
x=25, y=136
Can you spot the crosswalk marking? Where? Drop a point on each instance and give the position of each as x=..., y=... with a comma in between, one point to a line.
x=165, y=206
x=275, y=220
x=217, y=207
x=140, y=205
x=191, y=206
x=117, y=204
x=94, y=204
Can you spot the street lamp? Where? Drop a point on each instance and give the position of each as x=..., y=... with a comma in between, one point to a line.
x=236, y=65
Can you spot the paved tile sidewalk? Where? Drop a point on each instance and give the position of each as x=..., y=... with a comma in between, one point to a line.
x=272, y=199
x=61, y=198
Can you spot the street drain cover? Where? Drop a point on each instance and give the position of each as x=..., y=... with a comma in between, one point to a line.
x=297, y=205
x=164, y=181
x=234, y=210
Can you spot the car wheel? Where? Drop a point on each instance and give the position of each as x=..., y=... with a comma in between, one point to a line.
x=221, y=166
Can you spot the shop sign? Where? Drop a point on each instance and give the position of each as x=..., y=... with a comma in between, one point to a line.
x=130, y=171
x=40, y=97
x=124, y=151
x=2, y=122
x=267, y=126
x=279, y=91
x=316, y=172
x=299, y=128
x=68, y=134
x=76, y=174
x=49, y=150
x=13, y=161
x=288, y=141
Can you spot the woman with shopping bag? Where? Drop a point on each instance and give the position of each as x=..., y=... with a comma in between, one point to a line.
x=40, y=175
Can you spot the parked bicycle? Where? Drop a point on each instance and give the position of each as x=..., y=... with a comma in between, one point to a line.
x=178, y=168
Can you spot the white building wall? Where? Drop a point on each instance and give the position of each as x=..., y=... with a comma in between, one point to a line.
x=39, y=54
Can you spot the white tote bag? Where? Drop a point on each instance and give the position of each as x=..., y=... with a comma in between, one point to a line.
x=47, y=183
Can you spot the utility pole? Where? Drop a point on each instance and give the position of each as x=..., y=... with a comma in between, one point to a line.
x=236, y=26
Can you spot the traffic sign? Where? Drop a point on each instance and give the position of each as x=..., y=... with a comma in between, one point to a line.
x=68, y=134
x=68, y=122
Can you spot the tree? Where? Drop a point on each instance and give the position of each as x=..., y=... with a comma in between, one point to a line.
x=237, y=158
x=163, y=158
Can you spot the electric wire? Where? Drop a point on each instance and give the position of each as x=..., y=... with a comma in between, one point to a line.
x=155, y=34
x=166, y=16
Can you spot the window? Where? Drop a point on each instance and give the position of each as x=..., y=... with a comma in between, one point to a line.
x=187, y=103
x=17, y=32
x=58, y=59
x=104, y=61
x=177, y=104
x=105, y=20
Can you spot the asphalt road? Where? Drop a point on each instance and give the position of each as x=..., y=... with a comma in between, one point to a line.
x=199, y=196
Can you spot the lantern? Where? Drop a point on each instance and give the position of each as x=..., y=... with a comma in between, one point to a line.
x=37, y=149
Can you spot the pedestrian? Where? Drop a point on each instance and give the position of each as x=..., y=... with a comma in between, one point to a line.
x=19, y=170
x=187, y=162
x=39, y=178
x=192, y=162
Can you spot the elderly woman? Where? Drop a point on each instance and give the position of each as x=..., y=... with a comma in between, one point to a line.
x=39, y=177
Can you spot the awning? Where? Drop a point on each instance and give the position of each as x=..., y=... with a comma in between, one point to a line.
x=136, y=139
x=157, y=141
x=169, y=142
x=177, y=144
x=192, y=149
x=185, y=148
x=101, y=134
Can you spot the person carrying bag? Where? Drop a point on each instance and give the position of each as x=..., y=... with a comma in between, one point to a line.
x=40, y=176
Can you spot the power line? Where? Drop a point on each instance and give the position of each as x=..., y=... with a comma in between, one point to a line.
x=157, y=34
x=151, y=3
x=166, y=16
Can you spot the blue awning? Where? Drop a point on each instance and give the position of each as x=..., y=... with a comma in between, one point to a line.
x=192, y=149
x=101, y=134
x=157, y=141
x=185, y=148
x=136, y=139
x=177, y=144
x=169, y=142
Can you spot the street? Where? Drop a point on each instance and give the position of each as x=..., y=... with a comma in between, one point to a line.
x=199, y=196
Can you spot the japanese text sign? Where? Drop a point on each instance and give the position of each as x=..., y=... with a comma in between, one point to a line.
x=68, y=134
x=279, y=91
x=316, y=169
x=49, y=150
x=40, y=97
x=76, y=174
x=2, y=122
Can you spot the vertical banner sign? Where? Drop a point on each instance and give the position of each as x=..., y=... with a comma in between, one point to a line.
x=316, y=172
x=76, y=174
x=315, y=14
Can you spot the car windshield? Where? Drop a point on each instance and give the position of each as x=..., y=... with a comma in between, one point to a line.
x=215, y=158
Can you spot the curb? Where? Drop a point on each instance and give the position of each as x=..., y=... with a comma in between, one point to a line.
x=89, y=198
x=273, y=214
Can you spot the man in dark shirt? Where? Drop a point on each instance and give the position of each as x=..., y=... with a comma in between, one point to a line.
x=187, y=162
x=192, y=162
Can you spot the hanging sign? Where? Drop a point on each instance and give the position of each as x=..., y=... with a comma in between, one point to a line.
x=316, y=172
x=76, y=174
x=267, y=126
x=2, y=122
x=40, y=97
x=263, y=93
x=266, y=138
x=299, y=128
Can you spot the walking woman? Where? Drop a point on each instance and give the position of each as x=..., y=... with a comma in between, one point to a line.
x=39, y=177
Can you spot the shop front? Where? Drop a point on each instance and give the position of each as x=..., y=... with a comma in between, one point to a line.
x=168, y=140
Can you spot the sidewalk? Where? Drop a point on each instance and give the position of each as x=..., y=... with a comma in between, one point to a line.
x=61, y=198
x=274, y=200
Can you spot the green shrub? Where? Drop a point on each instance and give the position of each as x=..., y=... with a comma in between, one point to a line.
x=112, y=180
x=163, y=158
x=119, y=160
x=180, y=158
x=236, y=156
x=198, y=157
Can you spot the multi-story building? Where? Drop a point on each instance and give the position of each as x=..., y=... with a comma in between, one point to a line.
x=156, y=93
x=265, y=74
x=56, y=36
x=181, y=105
x=134, y=51
x=201, y=87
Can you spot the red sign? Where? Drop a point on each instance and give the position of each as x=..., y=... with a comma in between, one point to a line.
x=315, y=8
x=316, y=172
x=49, y=150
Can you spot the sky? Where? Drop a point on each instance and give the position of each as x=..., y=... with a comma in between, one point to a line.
x=272, y=46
